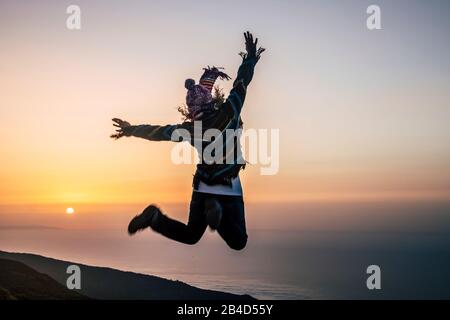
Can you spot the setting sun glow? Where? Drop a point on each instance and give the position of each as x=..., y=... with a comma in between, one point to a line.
x=70, y=211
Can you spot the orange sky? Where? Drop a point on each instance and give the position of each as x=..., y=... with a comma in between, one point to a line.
x=350, y=128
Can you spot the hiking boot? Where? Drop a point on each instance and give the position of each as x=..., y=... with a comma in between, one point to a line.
x=213, y=212
x=144, y=220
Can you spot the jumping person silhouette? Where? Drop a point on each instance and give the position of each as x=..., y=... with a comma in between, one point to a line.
x=217, y=193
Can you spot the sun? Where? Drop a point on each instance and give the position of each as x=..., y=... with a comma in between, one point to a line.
x=70, y=211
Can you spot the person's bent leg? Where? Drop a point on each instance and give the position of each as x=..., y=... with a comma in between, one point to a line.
x=232, y=226
x=178, y=231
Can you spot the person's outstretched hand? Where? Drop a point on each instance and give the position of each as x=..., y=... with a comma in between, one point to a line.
x=251, y=46
x=121, y=125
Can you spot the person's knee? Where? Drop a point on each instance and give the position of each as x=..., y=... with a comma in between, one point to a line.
x=238, y=244
x=194, y=238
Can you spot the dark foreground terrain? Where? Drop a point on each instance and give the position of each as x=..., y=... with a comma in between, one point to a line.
x=29, y=276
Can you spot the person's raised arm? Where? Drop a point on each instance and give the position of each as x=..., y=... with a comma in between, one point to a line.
x=250, y=58
x=245, y=72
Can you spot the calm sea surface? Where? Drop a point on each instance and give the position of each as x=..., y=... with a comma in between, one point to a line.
x=325, y=257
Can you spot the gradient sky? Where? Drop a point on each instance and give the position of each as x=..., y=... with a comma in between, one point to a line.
x=362, y=114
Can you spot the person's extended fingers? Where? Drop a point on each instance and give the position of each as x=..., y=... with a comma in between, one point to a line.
x=121, y=124
x=256, y=41
x=117, y=135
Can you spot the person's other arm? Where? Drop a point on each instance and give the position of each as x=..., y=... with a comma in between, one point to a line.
x=245, y=73
x=149, y=132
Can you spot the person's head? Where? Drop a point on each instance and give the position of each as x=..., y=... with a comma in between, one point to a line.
x=199, y=98
x=197, y=95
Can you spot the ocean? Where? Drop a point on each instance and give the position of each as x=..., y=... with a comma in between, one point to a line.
x=322, y=251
